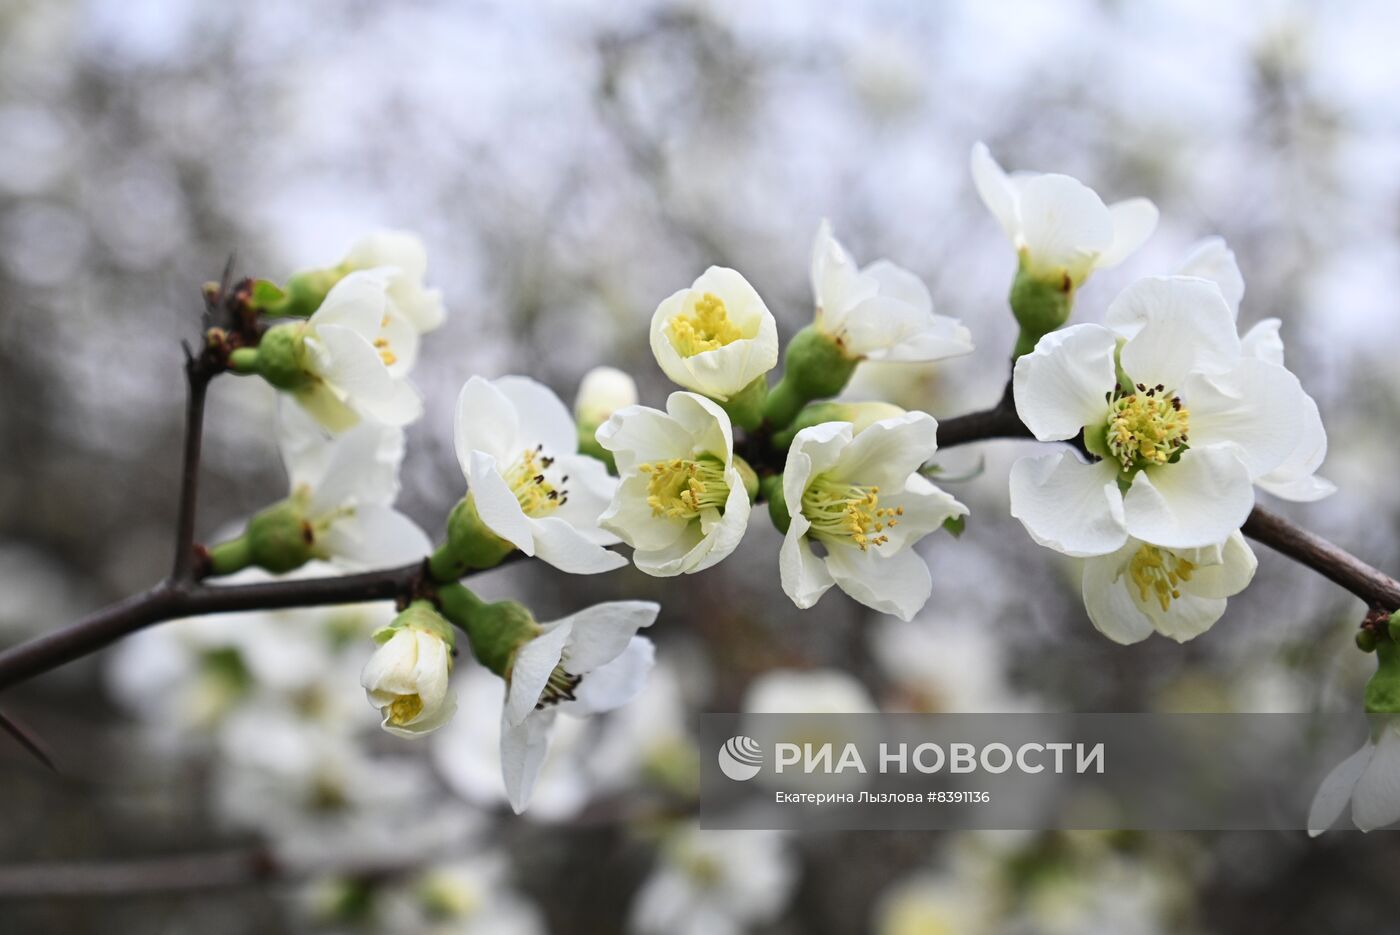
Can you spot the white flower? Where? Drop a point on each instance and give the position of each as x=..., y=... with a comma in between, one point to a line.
x=682, y=504
x=404, y=258
x=346, y=487
x=1296, y=478
x=1179, y=445
x=938, y=665
x=603, y=391
x=587, y=662
x=407, y=680
x=932, y=903
x=808, y=691
x=1060, y=228
x=1179, y=593
x=881, y=311
x=467, y=754
x=716, y=337
x=862, y=498
x=518, y=448
x=356, y=353
x=715, y=883
x=1369, y=779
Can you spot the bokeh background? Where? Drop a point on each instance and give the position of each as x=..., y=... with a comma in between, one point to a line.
x=569, y=164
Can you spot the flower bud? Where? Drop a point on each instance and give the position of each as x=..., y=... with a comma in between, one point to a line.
x=1040, y=305
x=814, y=367
x=471, y=545
x=861, y=415
x=771, y=488
x=407, y=677
x=604, y=390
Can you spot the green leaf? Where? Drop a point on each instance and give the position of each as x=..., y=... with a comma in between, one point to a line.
x=955, y=525
x=267, y=294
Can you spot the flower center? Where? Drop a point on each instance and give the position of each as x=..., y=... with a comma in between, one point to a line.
x=704, y=327
x=848, y=511
x=385, y=353
x=1159, y=573
x=537, y=496
x=561, y=686
x=1147, y=427
x=405, y=708
x=681, y=489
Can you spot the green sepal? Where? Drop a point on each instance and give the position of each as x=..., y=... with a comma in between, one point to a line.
x=861, y=415
x=280, y=539
x=281, y=355
x=471, y=545
x=1383, y=690
x=1393, y=627
x=745, y=408
x=419, y=615
x=494, y=631
x=815, y=366
x=955, y=525
x=771, y=489
x=301, y=297
x=1040, y=306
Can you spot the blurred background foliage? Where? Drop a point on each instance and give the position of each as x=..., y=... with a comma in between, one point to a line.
x=569, y=164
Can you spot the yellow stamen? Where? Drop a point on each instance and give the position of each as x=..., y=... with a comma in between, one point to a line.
x=848, y=512
x=405, y=708
x=537, y=495
x=704, y=326
x=681, y=489
x=386, y=355
x=1147, y=427
x=1159, y=573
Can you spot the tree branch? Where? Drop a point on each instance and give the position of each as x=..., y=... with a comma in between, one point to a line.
x=1373, y=586
x=199, y=371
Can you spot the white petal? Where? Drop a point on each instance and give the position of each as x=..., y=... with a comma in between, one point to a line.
x=1185, y=618
x=361, y=468
x=351, y=365
x=568, y=549
x=486, y=421
x=837, y=286
x=813, y=451
x=544, y=419
x=390, y=669
x=638, y=435
x=358, y=303
x=1263, y=341
x=1227, y=578
x=1174, y=325
x=996, y=190
x=1212, y=259
x=401, y=249
x=530, y=671
x=897, y=584
x=497, y=505
x=1063, y=222
x=523, y=747
x=375, y=536
x=1111, y=608
x=1060, y=386
x=1295, y=478
x=887, y=452
x=1134, y=220
x=1198, y=501
x=804, y=576
x=400, y=339
x=616, y=682
x=1375, y=802
x=631, y=518
x=304, y=445
x=1067, y=505
x=590, y=488
x=1258, y=406
x=707, y=424
x=925, y=507
x=601, y=632
x=1335, y=791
